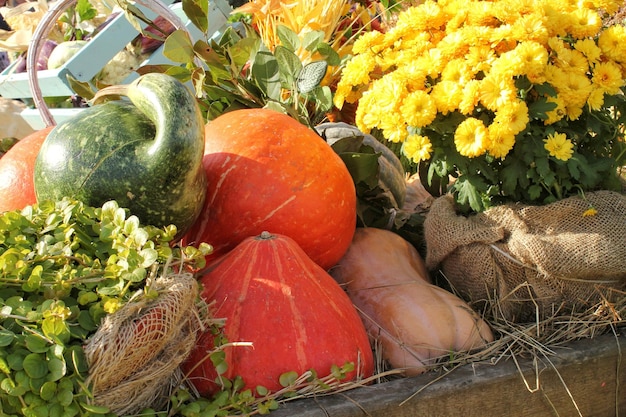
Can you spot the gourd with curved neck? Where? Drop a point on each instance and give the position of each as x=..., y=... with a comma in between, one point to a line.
x=145, y=153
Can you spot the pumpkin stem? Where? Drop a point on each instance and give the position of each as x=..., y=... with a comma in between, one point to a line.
x=265, y=235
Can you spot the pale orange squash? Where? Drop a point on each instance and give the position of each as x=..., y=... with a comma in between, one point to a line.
x=413, y=322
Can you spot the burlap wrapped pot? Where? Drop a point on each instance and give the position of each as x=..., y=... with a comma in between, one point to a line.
x=532, y=260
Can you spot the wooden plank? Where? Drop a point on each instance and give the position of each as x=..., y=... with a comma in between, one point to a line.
x=585, y=378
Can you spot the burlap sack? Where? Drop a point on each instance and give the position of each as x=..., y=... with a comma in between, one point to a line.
x=532, y=259
x=135, y=355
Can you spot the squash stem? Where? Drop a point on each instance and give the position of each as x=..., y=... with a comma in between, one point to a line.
x=112, y=92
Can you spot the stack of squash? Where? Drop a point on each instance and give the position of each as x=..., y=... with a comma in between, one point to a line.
x=299, y=285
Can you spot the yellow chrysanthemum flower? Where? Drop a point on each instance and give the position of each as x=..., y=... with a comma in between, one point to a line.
x=533, y=57
x=447, y=96
x=471, y=137
x=357, y=70
x=500, y=139
x=418, y=109
x=531, y=27
x=559, y=146
x=368, y=42
x=417, y=148
x=595, y=101
x=496, y=91
x=585, y=23
x=395, y=132
x=458, y=71
x=418, y=19
x=471, y=95
x=611, y=42
x=572, y=60
x=589, y=49
x=608, y=77
x=590, y=212
x=475, y=68
x=514, y=115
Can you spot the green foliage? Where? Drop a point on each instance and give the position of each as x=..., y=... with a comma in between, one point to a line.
x=236, y=70
x=376, y=204
x=63, y=267
x=528, y=174
x=74, y=17
x=234, y=400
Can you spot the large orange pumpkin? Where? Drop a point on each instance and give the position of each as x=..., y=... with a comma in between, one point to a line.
x=267, y=171
x=295, y=315
x=16, y=172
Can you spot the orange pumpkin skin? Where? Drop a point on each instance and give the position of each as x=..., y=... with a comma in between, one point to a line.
x=17, y=170
x=267, y=171
x=294, y=314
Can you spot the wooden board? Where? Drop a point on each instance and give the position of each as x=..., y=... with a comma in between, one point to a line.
x=585, y=378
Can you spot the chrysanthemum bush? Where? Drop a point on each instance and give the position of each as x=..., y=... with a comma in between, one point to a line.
x=512, y=100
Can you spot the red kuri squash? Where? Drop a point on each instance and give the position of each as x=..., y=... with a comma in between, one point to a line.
x=267, y=171
x=296, y=317
x=17, y=169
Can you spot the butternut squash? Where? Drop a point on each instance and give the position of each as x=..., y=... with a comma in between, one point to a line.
x=412, y=321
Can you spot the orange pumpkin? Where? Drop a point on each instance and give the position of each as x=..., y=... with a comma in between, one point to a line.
x=267, y=171
x=414, y=322
x=17, y=169
x=296, y=317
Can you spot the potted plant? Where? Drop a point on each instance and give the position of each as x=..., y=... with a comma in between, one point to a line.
x=509, y=105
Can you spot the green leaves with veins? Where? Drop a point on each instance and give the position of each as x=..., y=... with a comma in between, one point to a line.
x=63, y=267
x=235, y=69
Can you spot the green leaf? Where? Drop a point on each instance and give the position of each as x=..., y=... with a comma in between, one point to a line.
x=329, y=53
x=265, y=72
x=363, y=167
x=81, y=88
x=48, y=390
x=289, y=66
x=311, y=76
x=469, y=190
x=6, y=337
x=312, y=40
x=56, y=368
x=95, y=409
x=539, y=108
x=65, y=397
x=85, y=10
x=197, y=11
x=178, y=47
x=35, y=365
x=36, y=344
x=288, y=38
x=534, y=191
x=287, y=379
x=55, y=328
x=218, y=358
x=322, y=96
x=244, y=51
x=149, y=257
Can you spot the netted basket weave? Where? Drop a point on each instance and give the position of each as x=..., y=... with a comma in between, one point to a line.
x=134, y=356
x=532, y=259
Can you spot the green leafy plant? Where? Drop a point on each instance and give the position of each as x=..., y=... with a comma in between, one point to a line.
x=63, y=267
x=233, y=400
x=237, y=71
x=76, y=21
